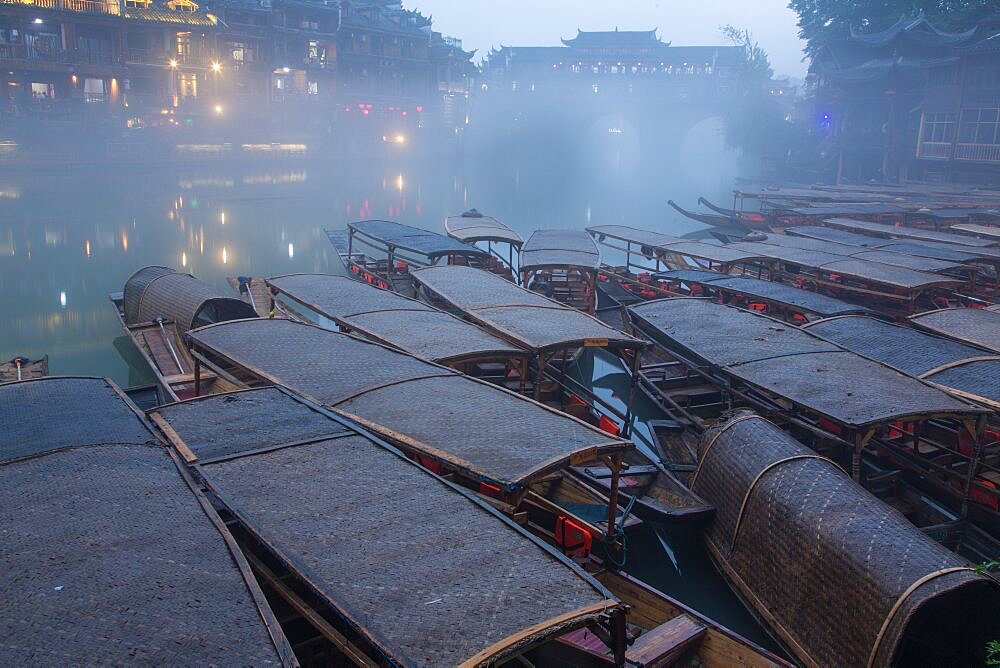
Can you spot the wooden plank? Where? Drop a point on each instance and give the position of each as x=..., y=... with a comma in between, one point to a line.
x=666, y=643
x=321, y=625
x=174, y=438
x=540, y=630
x=160, y=352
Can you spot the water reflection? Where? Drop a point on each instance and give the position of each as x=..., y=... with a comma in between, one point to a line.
x=84, y=233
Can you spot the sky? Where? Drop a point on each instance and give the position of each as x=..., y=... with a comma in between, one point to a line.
x=482, y=24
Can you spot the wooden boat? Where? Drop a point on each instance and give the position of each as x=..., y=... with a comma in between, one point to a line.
x=562, y=265
x=407, y=324
x=603, y=619
x=554, y=333
x=776, y=299
x=715, y=220
x=670, y=634
x=897, y=232
x=397, y=248
x=975, y=326
x=963, y=370
x=24, y=368
x=786, y=552
x=367, y=580
x=472, y=227
x=815, y=387
x=750, y=219
x=890, y=289
x=112, y=554
x=156, y=307
x=982, y=231
x=508, y=447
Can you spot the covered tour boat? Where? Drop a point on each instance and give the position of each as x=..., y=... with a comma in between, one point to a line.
x=841, y=578
x=976, y=326
x=562, y=265
x=156, y=307
x=112, y=554
x=394, y=565
x=844, y=405
x=410, y=325
x=382, y=252
x=472, y=227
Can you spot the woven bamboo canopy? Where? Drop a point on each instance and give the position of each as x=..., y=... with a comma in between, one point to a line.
x=891, y=275
x=473, y=226
x=899, y=259
x=654, y=243
x=549, y=249
x=792, y=363
x=842, y=578
x=779, y=293
x=393, y=319
x=978, y=327
x=525, y=318
x=425, y=573
x=109, y=555
x=160, y=292
x=431, y=245
x=962, y=369
x=893, y=232
x=475, y=427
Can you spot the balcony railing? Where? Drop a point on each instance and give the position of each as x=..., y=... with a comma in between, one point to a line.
x=934, y=149
x=27, y=52
x=90, y=6
x=978, y=152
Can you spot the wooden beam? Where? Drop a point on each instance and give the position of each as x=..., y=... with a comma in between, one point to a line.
x=315, y=620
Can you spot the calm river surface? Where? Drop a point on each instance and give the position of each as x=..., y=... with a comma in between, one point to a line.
x=70, y=237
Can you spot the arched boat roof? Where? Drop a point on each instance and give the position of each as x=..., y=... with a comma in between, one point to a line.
x=161, y=292
x=472, y=226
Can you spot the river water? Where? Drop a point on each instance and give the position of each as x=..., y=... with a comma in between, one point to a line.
x=69, y=237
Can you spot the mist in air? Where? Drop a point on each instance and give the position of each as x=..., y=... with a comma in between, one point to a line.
x=223, y=144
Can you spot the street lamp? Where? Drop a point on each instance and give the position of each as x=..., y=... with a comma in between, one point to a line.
x=173, y=64
x=216, y=67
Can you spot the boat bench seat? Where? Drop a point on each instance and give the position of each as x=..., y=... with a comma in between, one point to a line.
x=665, y=644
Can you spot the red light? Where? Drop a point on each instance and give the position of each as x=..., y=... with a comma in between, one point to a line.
x=364, y=111
x=404, y=113
x=361, y=105
x=420, y=108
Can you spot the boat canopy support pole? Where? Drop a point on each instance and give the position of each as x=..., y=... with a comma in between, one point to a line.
x=860, y=441
x=197, y=377
x=615, y=464
x=975, y=428
x=540, y=375
x=619, y=632
x=636, y=361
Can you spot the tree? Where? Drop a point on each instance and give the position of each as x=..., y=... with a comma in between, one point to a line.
x=824, y=21
x=754, y=121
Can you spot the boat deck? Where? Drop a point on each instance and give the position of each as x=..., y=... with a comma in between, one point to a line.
x=428, y=575
x=113, y=560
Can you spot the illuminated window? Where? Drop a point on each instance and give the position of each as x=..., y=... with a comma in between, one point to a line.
x=183, y=45
x=93, y=90
x=42, y=91
x=313, y=88
x=182, y=5
x=188, y=84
